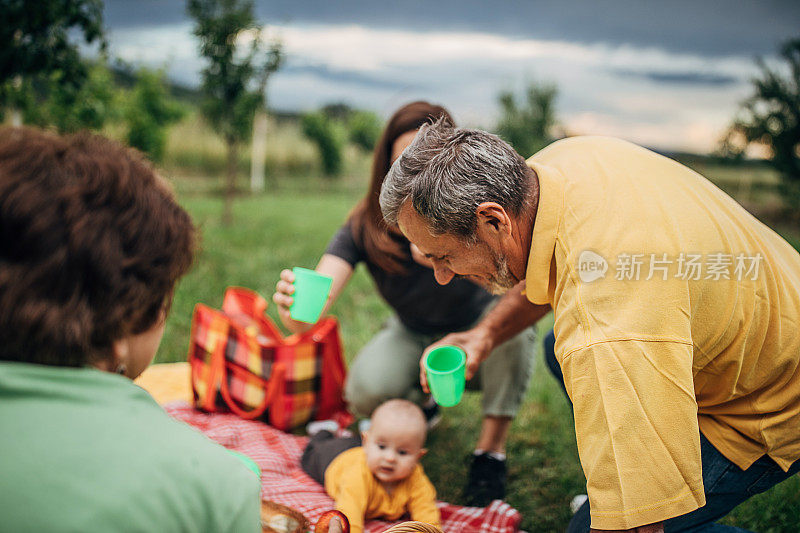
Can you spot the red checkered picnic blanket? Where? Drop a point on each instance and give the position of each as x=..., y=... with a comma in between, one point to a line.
x=283, y=481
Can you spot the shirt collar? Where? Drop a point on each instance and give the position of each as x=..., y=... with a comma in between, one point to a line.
x=545, y=228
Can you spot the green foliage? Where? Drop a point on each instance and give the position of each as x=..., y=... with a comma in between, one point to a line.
x=526, y=126
x=333, y=125
x=87, y=107
x=326, y=133
x=42, y=74
x=45, y=101
x=223, y=27
x=340, y=111
x=36, y=39
x=771, y=116
x=27, y=97
x=149, y=112
x=364, y=129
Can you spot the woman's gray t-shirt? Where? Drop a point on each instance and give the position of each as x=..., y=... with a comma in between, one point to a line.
x=421, y=304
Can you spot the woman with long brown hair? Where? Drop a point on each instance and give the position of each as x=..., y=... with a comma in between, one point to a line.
x=424, y=311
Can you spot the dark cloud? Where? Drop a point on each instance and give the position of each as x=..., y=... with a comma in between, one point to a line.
x=708, y=28
x=682, y=78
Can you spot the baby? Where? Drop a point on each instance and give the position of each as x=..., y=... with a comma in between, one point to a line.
x=379, y=476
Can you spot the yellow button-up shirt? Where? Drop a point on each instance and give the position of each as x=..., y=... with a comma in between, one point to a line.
x=676, y=312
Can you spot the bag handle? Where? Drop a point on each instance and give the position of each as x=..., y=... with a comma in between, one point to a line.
x=216, y=359
x=218, y=368
x=271, y=390
x=327, y=335
x=245, y=305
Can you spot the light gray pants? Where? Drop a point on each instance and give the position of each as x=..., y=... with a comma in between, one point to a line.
x=388, y=367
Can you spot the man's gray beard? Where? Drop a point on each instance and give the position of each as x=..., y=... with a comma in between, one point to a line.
x=502, y=281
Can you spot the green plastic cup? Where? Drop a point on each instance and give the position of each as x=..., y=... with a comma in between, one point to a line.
x=445, y=368
x=310, y=294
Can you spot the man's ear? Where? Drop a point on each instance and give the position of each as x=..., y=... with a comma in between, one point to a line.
x=492, y=218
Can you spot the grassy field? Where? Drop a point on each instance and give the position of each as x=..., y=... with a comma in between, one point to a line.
x=290, y=227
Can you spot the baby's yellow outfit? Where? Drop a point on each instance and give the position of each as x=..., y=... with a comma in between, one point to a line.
x=360, y=496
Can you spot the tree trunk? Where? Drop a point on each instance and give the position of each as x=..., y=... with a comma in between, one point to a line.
x=16, y=117
x=230, y=181
x=16, y=113
x=258, y=152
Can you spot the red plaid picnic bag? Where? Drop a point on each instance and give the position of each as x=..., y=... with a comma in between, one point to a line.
x=240, y=362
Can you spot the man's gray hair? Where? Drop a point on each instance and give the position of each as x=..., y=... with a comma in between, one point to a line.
x=447, y=172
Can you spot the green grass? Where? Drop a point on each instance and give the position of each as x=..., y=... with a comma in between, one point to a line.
x=756, y=188
x=290, y=227
x=270, y=233
x=195, y=150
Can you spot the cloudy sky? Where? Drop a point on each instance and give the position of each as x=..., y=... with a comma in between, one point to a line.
x=667, y=74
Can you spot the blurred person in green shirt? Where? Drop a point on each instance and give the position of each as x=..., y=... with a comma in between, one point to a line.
x=92, y=244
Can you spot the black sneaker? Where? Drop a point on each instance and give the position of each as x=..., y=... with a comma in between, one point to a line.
x=487, y=481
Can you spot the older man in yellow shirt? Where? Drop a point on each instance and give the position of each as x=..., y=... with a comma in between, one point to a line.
x=676, y=311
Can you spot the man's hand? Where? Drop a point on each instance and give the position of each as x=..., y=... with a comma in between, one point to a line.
x=512, y=314
x=474, y=341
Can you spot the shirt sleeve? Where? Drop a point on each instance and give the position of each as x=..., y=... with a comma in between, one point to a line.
x=422, y=504
x=343, y=245
x=637, y=430
x=351, y=499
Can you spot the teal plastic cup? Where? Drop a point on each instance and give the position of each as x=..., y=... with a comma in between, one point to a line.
x=445, y=368
x=310, y=294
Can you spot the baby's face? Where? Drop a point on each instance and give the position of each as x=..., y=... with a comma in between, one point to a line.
x=392, y=450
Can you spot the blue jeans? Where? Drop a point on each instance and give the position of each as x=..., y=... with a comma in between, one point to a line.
x=726, y=485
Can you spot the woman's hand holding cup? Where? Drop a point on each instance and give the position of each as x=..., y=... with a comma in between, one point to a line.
x=283, y=298
x=301, y=295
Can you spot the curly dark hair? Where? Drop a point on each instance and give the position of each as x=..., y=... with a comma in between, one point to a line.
x=92, y=243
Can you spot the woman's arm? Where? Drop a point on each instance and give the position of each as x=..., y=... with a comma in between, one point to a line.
x=330, y=265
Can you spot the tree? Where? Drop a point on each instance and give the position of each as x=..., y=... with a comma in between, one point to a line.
x=88, y=106
x=333, y=125
x=339, y=111
x=364, y=129
x=526, y=127
x=258, y=151
x=35, y=41
x=45, y=101
x=230, y=44
x=771, y=116
x=327, y=134
x=148, y=113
